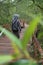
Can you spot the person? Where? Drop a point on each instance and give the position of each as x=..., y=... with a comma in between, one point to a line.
x=16, y=27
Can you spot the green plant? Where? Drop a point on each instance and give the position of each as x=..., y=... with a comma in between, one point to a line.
x=20, y=46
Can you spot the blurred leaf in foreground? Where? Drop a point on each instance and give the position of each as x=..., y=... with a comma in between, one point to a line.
x=5, y=58
x=30, y=31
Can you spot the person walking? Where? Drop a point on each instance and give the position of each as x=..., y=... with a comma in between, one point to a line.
x=16, y=27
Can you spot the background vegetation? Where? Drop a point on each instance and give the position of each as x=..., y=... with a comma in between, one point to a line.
x=27, y=9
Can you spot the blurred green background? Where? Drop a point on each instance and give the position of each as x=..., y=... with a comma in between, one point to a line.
x=27, y=9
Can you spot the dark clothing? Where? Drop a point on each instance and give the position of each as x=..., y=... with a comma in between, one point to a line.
x=16, y=27
x=16, y=33
x=19, y=26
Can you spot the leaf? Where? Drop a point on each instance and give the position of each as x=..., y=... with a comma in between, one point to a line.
x=40, y=35
x=12, y=37
x=24, y=62
x=30, y=31
x=5, y=58
x=15, y=44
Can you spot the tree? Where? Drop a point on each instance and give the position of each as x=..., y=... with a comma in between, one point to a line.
x=5, y=11
x=26, y=9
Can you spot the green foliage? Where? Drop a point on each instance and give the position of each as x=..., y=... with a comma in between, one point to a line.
x=6, y=11
x=5, y=58
x=23, y=62
x=30, y=31
x=23, y=7
x=26, y=9
x=40, y=35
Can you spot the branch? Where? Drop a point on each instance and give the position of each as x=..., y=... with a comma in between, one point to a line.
x=33, y=1
x=19, y=1
x=36, y=42
x=37, y=5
